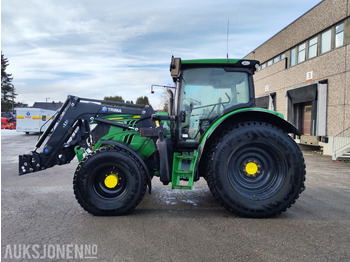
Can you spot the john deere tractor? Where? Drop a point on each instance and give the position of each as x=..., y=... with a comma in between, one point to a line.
x=212, y=130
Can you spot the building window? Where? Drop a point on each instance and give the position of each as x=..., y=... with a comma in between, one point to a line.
x=283, y=56
x=292, y=56
x=326, y=41
x=312, y=47
x=269, y=63
x=276, y=59
x=301, y=53
x=339, y=35
x=263, y=66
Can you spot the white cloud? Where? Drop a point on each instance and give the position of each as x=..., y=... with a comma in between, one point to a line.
x=101, y=48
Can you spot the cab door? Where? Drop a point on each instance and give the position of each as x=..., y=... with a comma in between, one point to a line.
x=205, y=94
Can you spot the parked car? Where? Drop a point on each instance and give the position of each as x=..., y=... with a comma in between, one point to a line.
x=8, y=120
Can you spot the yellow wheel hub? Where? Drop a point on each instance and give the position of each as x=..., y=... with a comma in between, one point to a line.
x=111, y=181
x=252, y=168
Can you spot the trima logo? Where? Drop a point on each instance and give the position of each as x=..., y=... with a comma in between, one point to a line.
x=51, y=251
x=114, y=110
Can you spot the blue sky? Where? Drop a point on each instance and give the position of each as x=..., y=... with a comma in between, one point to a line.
x=103, y=48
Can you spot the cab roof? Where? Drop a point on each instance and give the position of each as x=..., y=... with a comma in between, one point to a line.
x=242, y=63
x=177, y=64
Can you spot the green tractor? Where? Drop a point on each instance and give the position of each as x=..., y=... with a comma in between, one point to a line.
x=212, y=130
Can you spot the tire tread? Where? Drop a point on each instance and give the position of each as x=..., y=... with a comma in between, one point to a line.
x=273, y=208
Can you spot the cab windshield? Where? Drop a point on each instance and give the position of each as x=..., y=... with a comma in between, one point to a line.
x=205, y=93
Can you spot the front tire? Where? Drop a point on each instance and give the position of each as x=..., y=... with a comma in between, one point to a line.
x=256, y=170
x=109, y=181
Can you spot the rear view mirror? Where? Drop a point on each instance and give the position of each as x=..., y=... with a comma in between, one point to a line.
x=175, y=67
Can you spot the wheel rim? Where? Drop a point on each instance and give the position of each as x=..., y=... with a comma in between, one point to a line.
x=256, y=171
x=109, y=182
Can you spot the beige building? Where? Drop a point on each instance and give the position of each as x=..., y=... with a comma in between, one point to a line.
x=305, y=74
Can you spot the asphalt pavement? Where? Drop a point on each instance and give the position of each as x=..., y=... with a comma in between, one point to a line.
x=41, y=219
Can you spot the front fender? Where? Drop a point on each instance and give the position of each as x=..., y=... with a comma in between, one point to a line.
x=133, y=153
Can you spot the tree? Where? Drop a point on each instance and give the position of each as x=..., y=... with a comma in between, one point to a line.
x=165, y=100
x=142, y=100
x=114, y=98
x=166, y=107
x=8, y=94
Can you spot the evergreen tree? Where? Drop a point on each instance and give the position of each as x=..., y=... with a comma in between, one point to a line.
x=8, y=94
x=142, y=100
x=114, y=98
x=165, y=107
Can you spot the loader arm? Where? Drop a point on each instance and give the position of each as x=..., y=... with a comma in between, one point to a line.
x=70, y=129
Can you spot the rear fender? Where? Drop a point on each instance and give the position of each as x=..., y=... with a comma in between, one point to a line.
x=238, y=116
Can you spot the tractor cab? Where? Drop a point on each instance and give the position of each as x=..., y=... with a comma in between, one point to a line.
x=206, y=90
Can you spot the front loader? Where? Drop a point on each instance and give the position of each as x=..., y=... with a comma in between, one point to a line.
x=252, y=165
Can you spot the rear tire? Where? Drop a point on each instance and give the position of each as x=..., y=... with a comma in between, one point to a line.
x=109, y=181
x=256, y=170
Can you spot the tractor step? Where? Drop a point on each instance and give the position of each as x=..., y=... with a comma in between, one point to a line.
x=183, y=170
x=185, y=157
